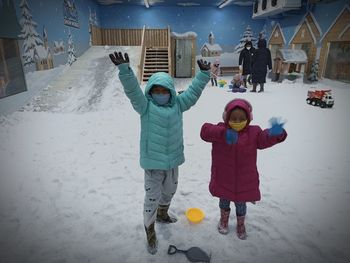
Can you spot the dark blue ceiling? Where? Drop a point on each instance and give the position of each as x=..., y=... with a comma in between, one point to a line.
x=184, y=3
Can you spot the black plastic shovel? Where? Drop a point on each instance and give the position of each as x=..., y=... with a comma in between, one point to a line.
x=193, y=254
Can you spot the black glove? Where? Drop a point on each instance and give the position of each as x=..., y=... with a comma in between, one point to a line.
x=117, y=58
x=203, y=65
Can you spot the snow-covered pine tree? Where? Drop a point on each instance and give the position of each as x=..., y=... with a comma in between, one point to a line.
x=262, y=34
x=71, y=49
x=29, y=35
x=313, y=76
x=247, y=36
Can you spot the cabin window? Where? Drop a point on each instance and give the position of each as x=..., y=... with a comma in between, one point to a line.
x=263, y=6
x=256, y=5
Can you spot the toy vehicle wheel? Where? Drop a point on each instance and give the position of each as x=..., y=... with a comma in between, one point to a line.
x=308, y=101
x=330, y=106
x=313, y=103
x=323, y=105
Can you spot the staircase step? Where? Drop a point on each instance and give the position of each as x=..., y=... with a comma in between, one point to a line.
x=156, y=65
x=156, y=60
x=156, y=56
x=156, y=48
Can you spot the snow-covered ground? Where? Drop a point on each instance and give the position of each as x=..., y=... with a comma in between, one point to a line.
x=71, y=188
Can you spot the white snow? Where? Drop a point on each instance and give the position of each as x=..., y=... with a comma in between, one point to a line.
x=184, y=35
x=212, y=47
x=71, y=188
x=42, y=52
x=293, y=55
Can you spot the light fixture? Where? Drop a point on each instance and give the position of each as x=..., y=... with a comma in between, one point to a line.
x=224, y=3
x=146, y=3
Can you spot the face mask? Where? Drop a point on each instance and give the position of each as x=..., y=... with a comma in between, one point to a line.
x=237, y=126
x=248, y=48
x=161, y=99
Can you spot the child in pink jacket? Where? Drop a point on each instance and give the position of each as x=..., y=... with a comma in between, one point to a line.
x=234, y=174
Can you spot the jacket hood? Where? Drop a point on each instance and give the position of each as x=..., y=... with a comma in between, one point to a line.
x=248, y=43
x=162, y=79
x=261, y=43
x=241, y=103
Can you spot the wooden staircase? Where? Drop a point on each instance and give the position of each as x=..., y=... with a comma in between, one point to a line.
x=156, y=60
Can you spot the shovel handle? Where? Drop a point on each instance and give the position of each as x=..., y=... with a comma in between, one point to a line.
x=172, y=250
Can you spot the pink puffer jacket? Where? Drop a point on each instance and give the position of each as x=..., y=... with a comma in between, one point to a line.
x=234, y=174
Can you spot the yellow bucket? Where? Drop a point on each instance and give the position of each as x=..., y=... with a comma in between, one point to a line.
x=194, y=215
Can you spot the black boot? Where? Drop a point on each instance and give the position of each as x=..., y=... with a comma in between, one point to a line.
x=261, y=87
x=152, y=242
x=254, y=87
x=163, y=216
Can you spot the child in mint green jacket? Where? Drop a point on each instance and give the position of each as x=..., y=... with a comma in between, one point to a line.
x=161, y=144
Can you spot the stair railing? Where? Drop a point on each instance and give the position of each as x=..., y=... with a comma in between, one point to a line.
x=169, y=53
x=143, y=55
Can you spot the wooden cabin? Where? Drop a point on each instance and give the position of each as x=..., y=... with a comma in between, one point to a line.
x=306, y=38
x=289, y=61
x=335, y=49
x=276, y=42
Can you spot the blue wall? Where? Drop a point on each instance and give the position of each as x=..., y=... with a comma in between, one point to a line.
x=227, y=24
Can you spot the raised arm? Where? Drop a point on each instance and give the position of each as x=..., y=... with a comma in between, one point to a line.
x=190, y=96
x=129, y=81
x=213, y=133
x=273, y=135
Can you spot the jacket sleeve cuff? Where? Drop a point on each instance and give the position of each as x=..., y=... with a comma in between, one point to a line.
x=124, y=68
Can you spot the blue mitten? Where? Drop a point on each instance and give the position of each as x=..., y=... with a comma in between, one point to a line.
x=276, y=127
x=231, y=136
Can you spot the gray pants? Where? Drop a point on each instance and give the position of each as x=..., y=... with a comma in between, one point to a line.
x=160, y=187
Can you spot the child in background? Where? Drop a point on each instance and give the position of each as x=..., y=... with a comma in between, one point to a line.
x=237, y=84
x=234, y=174
x=161, y=144
x=214, y=72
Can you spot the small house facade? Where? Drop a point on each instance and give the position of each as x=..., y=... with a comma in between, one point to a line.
x=276, y=42
x=306, y=38
x=211, y=49
x=335, y=49
x=289, y=61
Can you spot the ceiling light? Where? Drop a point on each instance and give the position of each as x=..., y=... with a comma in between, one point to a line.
x=224, y=3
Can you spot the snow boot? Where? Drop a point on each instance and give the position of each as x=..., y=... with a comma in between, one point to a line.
x=241, y=228
x=223, y=223
x=152, y=243
x=163, y=216
x=261, y=87
x=254, y=87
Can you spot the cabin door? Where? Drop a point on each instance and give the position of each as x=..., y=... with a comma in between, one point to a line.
x=337, y=67
x=183, y=59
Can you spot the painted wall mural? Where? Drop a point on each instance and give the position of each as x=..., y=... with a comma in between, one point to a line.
x=12, y=79
x=316, y=31
x=70, y=13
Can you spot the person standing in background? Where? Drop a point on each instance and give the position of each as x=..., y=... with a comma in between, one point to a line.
x=245, y=61
x=261, y=60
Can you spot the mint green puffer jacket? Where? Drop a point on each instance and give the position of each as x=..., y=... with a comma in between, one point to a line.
x=161, y=144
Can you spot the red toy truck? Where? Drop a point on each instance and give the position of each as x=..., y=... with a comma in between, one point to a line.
x=322, y=98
